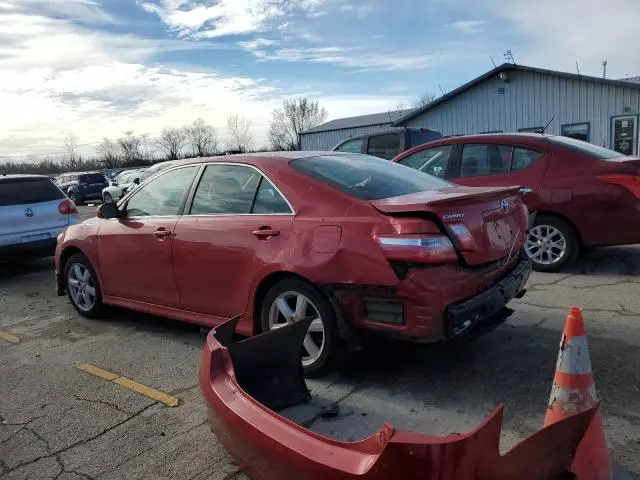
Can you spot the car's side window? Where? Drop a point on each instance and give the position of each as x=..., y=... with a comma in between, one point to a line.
x=384, y=146
x=433, y=161
x=485, y=159
x=268, y=200
x=352, y=146
x=163, y=196
x=225, y=190
x=524, y=158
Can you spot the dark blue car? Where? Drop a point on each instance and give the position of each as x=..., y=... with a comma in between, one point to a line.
x=82, y=186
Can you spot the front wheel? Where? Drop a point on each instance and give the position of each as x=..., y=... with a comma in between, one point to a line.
x=73, y=198
x=290, y=300
x=551, y=244
x=83, y=287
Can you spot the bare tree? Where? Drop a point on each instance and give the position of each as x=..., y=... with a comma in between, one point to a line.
x=294, y=117
x=424, y=100
x=239, y=130
x=129, y=147
x=108, y=153
x=71, y=158
x=202, y=138
x=171, y=142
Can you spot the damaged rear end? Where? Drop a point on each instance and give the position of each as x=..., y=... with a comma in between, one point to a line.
x=247, y=383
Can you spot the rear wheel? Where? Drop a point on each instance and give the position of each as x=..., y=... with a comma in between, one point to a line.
x=73, y=198
x=551, y=244
x=290, y=300
x=83, y=287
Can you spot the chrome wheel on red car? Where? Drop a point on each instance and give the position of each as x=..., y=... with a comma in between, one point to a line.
x=82, y=285
x=551, y=244
x=289, y=307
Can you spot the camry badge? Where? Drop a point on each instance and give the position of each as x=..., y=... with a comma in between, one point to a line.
x=453, y=216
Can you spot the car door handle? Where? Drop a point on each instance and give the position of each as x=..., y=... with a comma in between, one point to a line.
x=266, y=232
x=525, y=191
x=162, y=233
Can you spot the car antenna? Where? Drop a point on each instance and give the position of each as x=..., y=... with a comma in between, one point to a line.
x=547, y=125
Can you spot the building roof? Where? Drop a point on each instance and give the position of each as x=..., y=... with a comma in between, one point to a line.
x=631, y=79
x=382, y=118
x=506, y=67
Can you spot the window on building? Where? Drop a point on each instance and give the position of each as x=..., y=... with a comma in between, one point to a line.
x=384, y=146
x=352, y=146
x=523, y=158
x=163, y=196
x=531, y=130
x=579, y=131
x=225, y=190
x=485, y=159
x=430, y=160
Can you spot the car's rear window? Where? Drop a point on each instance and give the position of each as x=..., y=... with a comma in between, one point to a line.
x=20, y=191
x=91, y=178
x=585, y=147
x=366, y=177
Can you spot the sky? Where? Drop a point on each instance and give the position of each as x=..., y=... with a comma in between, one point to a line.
x=90, y=69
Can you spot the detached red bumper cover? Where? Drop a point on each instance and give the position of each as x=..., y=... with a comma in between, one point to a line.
x=244, y=383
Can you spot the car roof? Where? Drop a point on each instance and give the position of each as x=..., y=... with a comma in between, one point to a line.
x=14, y=176
x=257, y=157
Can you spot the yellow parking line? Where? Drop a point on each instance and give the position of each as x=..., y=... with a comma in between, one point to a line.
x=152, y=393
x=157, y=395
x=9, y=337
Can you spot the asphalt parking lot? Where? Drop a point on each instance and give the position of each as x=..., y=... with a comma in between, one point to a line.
x=58, y=422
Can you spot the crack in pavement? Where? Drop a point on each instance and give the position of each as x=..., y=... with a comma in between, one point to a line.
x=178, y=391
x=103, y=402
x=80, y=442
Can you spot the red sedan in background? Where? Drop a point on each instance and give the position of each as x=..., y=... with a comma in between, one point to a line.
x=351, y=241
x=584, y=195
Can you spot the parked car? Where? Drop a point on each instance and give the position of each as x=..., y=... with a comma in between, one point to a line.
x=584, y=195
x=81, y=187
x=121, y=184
x=354, y=242
x=33, y=212
x=388, y=143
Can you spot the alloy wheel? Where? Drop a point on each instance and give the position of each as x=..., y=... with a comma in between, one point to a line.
x=289, y=307
x=545, y=245
x=82, y=287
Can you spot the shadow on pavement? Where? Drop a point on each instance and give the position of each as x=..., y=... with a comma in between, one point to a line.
x=621, y=260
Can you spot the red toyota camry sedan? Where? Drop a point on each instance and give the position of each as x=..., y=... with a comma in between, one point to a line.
x=354, y=242
x=583, y=194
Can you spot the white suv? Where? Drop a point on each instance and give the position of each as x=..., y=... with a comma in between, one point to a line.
x=124, y=182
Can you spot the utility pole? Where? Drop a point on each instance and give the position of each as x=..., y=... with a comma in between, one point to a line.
x=604, y=69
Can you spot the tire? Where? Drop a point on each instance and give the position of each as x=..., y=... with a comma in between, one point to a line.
x=314, y=364
x=551, y=230
x=74, y=269
x=73, y=198
x=107, y=198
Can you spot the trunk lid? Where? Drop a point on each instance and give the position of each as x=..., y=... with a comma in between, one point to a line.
x=495, y=218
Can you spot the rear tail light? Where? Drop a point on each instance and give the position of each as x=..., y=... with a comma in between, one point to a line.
x=628, y=181
x=418, y=248
x=67, y=208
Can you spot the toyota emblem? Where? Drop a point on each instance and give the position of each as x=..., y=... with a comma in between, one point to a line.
x=28, y=212
x=505, y=205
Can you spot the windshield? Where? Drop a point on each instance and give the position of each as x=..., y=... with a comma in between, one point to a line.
x=585, y=147
x=366, y=177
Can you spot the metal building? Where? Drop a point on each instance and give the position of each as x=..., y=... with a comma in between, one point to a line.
x=328, y=135
x=514, y=98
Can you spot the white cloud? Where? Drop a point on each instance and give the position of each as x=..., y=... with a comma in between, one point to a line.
x=467, y=26
x=362, y=11
x=350, y=57
x=224, y=17
x=85, y=11
x=559, y=33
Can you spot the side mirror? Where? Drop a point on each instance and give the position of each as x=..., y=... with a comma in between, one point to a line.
x=108, y=210
x=136, y=181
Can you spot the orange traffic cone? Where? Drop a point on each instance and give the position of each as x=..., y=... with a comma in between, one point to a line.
x=574, y=391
